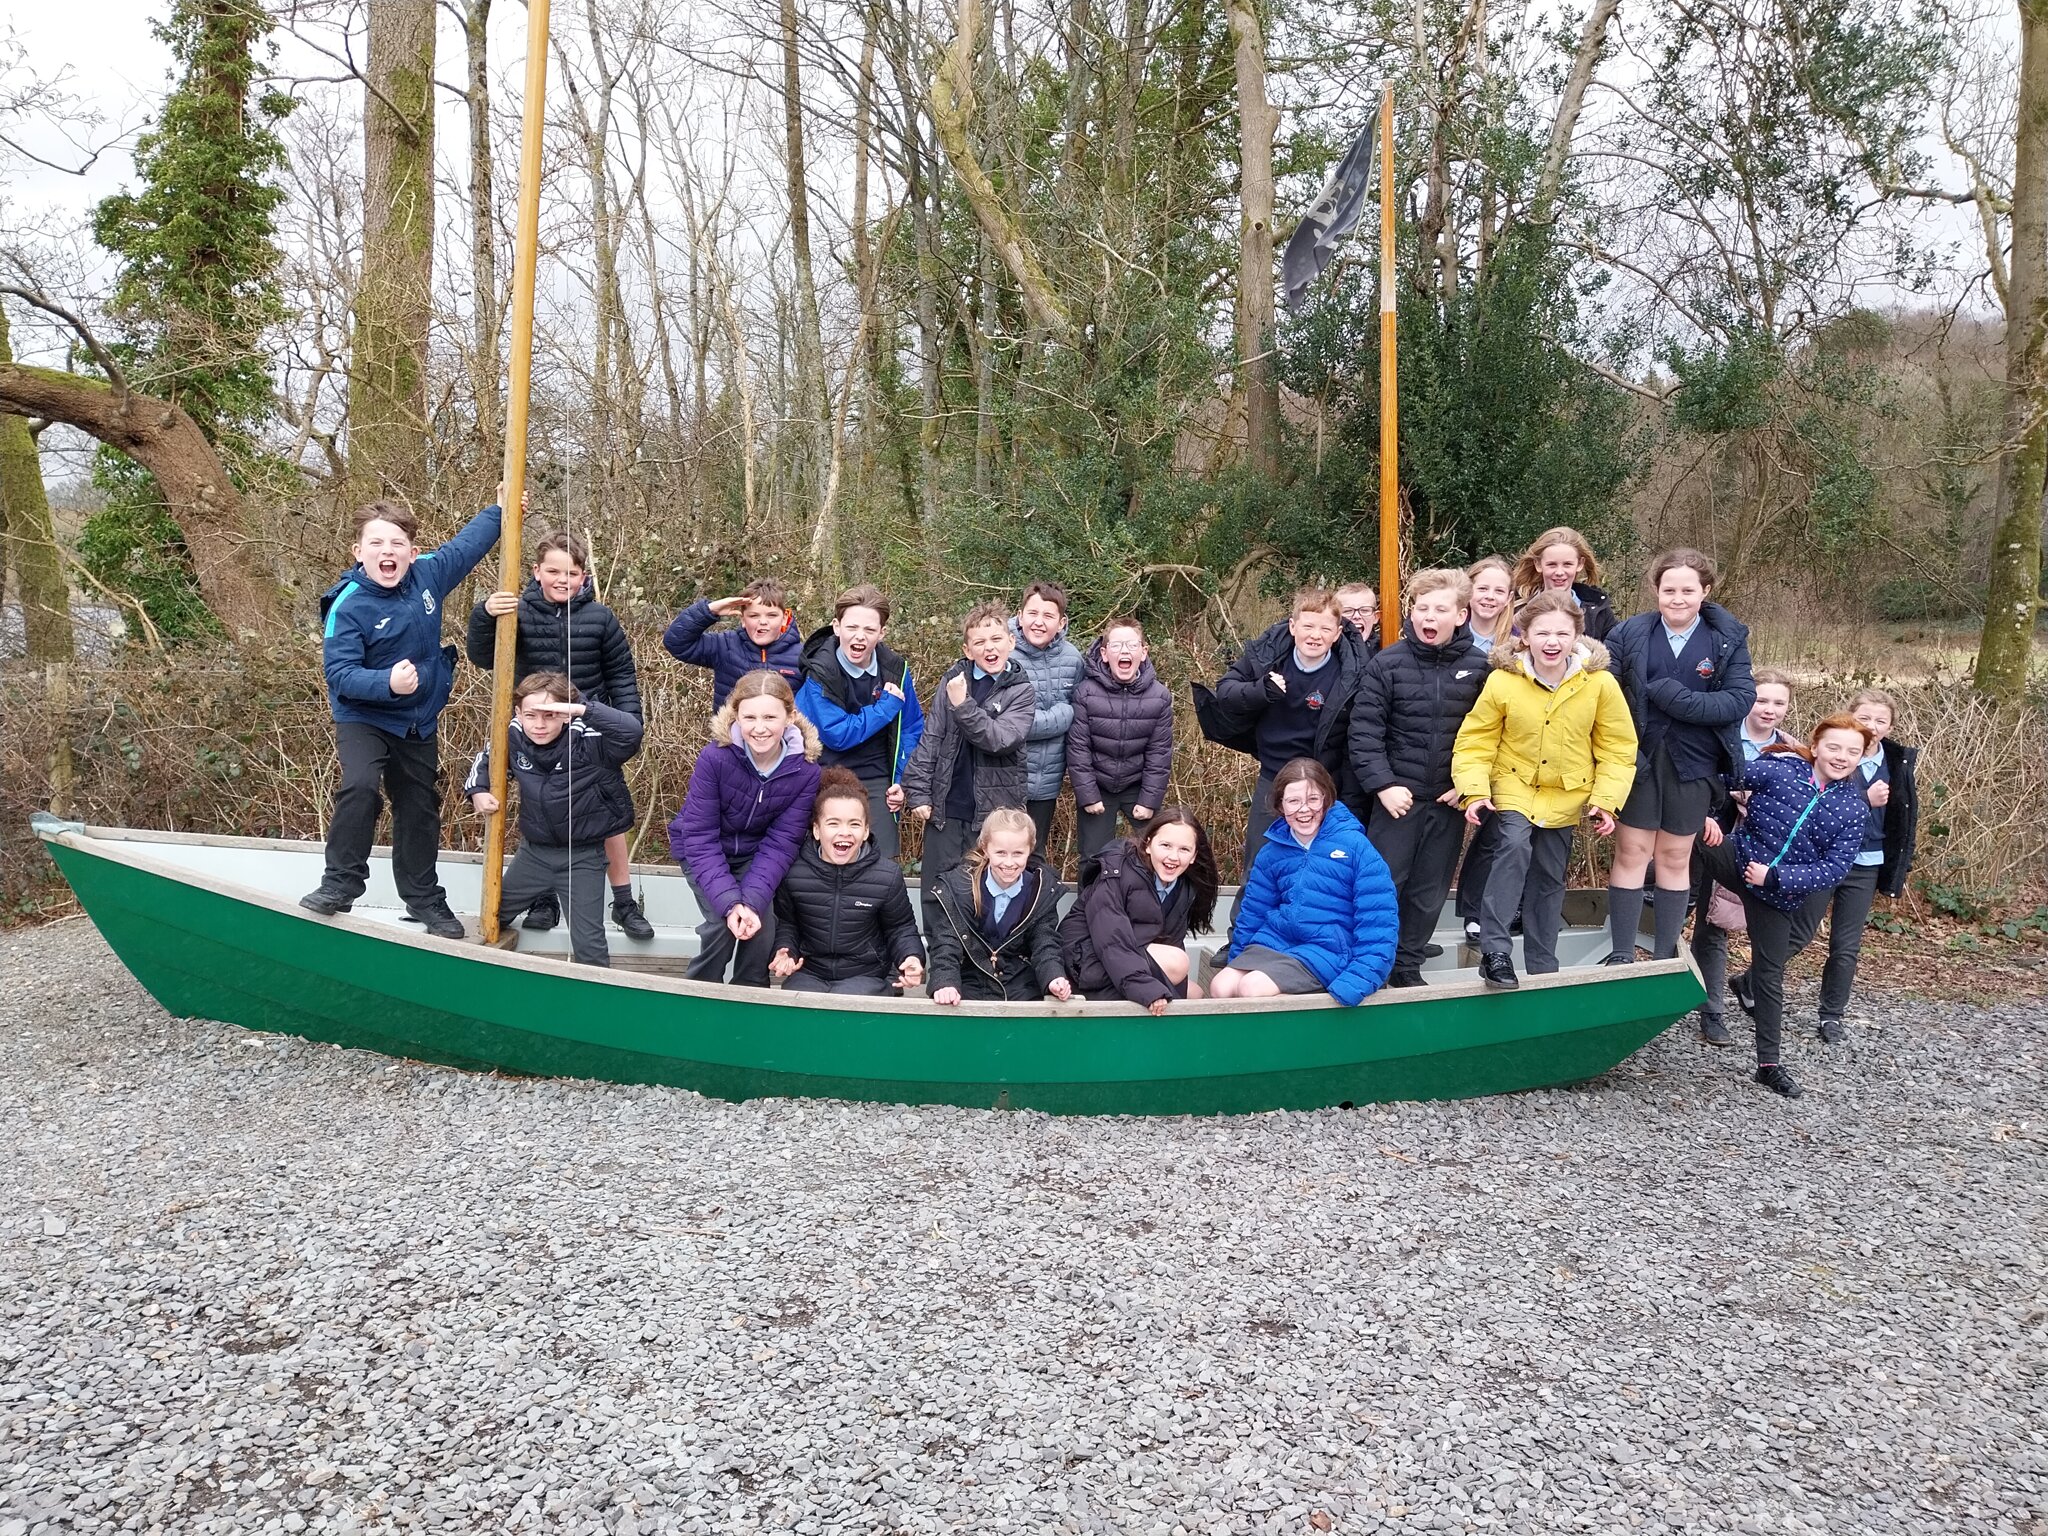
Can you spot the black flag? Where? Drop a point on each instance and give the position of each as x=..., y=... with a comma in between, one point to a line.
x=1334, y=215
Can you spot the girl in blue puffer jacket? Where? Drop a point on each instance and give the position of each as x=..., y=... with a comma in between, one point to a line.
x=1318, y=911
x=1804, y=827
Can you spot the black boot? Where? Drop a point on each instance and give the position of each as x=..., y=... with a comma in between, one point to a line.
x=435, y=917
x=627, y=914
x=1778, y=1080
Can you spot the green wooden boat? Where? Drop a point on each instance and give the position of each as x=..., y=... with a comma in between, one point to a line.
x=211, y=926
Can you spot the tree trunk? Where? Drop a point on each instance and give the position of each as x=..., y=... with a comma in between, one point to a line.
x=233, y=578
x=814, y=396
x=387, y=406
x=1258, y=122
x=952, y=107
x=1592, y=40
x=483, y=242
x=28, y=540
x=2012, y=604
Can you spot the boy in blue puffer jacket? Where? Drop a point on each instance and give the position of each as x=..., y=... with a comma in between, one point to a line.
x=388, y=677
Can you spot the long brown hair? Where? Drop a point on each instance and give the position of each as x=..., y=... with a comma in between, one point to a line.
x=1201, y=874
x=1529, y=579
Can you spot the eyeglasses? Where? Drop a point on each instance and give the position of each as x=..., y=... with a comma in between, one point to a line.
x=1125, y=648
x=1360, y=613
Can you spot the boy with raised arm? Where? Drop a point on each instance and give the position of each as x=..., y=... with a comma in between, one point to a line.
x=767, y=637
x=859, y=695
x=388, y=678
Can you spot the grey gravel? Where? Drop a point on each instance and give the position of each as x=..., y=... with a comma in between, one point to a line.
x=249, y=1284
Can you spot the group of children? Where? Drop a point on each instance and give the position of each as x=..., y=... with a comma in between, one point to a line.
x=1514, y=703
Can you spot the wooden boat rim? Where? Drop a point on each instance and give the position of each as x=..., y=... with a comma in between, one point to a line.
x=123, y=845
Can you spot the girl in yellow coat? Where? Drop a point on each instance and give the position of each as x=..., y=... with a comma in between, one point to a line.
x=1549, y=742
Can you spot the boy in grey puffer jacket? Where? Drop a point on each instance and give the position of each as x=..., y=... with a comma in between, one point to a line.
x=1053, y=664
x=970, y=758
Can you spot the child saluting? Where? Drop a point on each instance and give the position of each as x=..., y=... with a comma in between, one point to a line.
x=388, y=677
x=565, y=753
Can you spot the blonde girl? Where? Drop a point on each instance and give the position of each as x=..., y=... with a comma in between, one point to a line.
x=995, y=920
x=1560, y=560
x=1493, y=601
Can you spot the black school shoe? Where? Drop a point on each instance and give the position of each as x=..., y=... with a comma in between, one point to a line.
x=1745, y=993
x=435, y=917
x=326, y=901
x=1618, y=958
x=1498, y=971
x=1832, y=1032
x=627, y=914
x=545, y=912
x=1778, y=1080
x=1713, y=1031
x=1432, y=951
x=1406, y=979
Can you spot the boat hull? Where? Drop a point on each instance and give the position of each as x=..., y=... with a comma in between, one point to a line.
x=205, y=948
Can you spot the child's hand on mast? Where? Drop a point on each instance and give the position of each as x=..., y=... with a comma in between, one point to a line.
x=498, y=604
x=484, y=802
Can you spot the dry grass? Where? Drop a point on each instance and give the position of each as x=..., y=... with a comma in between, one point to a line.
x=241, y=743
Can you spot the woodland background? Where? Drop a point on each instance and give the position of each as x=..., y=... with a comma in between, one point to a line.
x=953, y=296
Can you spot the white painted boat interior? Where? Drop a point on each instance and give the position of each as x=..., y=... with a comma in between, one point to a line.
x=287, y=870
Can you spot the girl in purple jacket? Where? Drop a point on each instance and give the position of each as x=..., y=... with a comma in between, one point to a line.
x=742, y=822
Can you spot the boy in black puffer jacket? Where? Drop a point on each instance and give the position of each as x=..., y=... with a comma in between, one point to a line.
x=995, y=936
x=565, y=756
x=564, y=628
x=1414, y=696
x=842, y=913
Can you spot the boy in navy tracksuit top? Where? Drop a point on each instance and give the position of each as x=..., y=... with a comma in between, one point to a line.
x=388, y=676
x=766, y=641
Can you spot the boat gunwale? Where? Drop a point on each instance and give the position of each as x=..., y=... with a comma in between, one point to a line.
x=121, y=844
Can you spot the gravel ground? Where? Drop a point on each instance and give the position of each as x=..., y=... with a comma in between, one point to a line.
x=249, y=1284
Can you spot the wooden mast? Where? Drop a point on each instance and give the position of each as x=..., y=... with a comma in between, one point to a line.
x=1390, y=437
x=511, y=544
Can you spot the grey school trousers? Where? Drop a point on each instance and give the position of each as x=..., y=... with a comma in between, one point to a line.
x=575, y=878
x=1421, y=850
x=1529, y=864
x=1850, y=902
x=1098, y=828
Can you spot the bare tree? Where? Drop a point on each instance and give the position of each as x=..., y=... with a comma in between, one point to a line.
x=28, y=540
x=388, y=429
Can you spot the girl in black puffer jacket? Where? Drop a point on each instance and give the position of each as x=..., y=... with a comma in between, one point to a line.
x=995, y=921
x=842, y=913
x=564, y=628
x=1125, y=938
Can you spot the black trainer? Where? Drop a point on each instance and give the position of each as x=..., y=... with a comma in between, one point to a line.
x=627, y=914
x=435, y=917
x=326, y=901
x=1833, y=1032
x=1745, y=992
x=1406, y=979
x=542, y=915
x=1498, y=971
x=1778, y=1080
x=1618, y=958
x=1713, y=1031
x=1432, y=951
